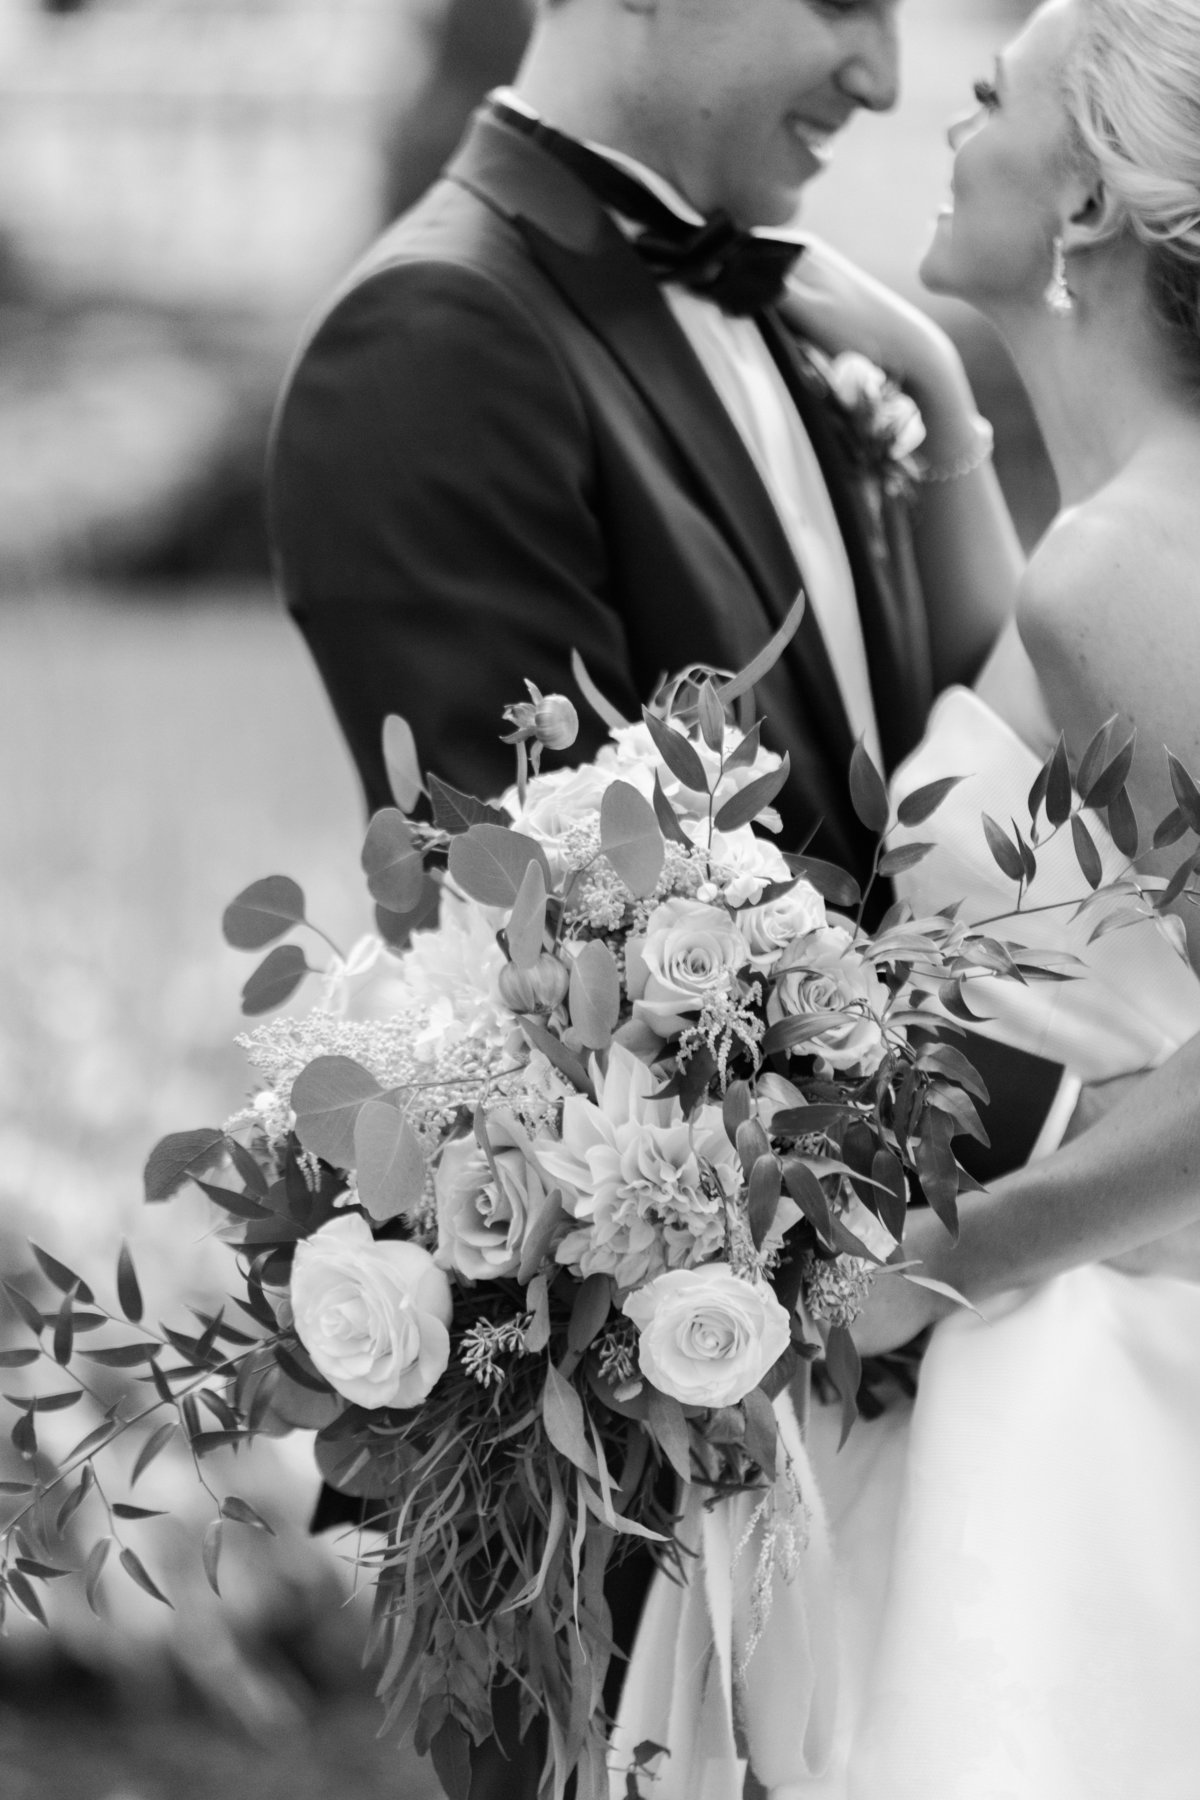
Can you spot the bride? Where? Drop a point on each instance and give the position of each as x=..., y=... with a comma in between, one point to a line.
x=1017, y=1558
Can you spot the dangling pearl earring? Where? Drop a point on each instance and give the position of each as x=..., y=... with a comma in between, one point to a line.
x=1058, y=296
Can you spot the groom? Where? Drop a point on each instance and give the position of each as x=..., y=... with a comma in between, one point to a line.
x=550, y=411
x=557, y=408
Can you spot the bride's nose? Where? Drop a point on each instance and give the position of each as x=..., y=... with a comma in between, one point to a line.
x=959, y=130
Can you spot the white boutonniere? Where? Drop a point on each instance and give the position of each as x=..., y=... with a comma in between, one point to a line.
x=887, y=421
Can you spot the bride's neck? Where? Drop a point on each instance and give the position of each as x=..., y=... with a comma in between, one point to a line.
x=1102, y=382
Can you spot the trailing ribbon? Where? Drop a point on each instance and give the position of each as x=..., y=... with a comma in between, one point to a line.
x=735, y=1668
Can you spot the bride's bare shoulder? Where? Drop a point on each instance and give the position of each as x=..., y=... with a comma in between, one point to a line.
x=1109, y=607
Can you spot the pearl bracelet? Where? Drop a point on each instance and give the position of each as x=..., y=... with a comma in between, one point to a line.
x=970, y=460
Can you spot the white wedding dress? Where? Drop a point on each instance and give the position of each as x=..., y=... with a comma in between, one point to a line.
x=1015, y=1556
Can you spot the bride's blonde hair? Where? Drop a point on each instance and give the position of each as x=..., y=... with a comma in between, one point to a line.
x=1133, y=94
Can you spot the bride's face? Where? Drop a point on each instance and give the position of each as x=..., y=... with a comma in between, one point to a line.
x=993, y=242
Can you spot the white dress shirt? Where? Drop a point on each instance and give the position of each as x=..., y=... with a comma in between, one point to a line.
x=735, y=357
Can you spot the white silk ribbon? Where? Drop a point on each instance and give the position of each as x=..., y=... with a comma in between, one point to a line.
x=735, y=1667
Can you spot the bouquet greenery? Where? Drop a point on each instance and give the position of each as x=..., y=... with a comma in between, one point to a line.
x=579, y=1162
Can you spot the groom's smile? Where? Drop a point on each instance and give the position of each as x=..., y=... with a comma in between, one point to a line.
x=738, y=101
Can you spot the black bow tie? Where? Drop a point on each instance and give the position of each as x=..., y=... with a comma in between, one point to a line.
x=736, y=269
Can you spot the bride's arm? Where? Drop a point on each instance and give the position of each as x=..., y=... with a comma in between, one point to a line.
x=1125, y=1183
x=969, y=556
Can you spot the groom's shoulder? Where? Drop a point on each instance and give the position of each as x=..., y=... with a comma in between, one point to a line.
x=451, y=272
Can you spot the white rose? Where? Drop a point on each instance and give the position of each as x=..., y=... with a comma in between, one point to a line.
x=707, y=1336
x=558, y=800
x=823, y=972
x=374, y=1315
x=771, y=928
x=741, y=864
x=481, y=1215
x=690, y=952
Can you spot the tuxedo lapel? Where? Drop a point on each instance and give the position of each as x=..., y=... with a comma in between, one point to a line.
x=879, y=549
x=584, y=255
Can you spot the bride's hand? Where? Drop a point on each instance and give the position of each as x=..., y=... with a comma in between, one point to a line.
x=838, y=307
x=896, y=1309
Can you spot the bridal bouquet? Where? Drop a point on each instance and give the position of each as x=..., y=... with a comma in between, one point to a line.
x=575, y=1164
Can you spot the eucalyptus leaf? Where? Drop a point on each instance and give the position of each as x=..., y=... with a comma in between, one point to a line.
x=275, y=980
x=264, y=911
x=762, y=1432
x=489, y=862
x=389, y=1161
x=326, y=1098
x=401, y=762
x=455, y=812
x=631, y=838
x=595, y=995
x=392, y=862
x=526, y=927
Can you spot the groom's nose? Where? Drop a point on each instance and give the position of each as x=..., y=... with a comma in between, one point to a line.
x=870, y=76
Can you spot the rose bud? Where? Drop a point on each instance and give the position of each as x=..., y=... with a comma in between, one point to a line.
x=539, y=989
x=555, y=722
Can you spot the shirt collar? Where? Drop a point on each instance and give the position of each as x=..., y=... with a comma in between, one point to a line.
x=657, y=184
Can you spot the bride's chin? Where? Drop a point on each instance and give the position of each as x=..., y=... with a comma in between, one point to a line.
x=934, y=269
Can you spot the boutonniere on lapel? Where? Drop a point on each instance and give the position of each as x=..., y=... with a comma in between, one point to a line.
x=886, y=427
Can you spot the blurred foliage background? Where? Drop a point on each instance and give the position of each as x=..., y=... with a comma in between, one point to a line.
x=180, y=180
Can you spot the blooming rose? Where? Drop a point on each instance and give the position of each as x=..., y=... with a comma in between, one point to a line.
x=741, y=865
x=690, y=951
x=707, y=1336
x=556, y=801
x=645, y=1186
x=771, y=928
x=372, y=1314
x=481, y=1215
x=823, y=972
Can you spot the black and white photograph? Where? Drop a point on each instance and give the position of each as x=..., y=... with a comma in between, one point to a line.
x=600, y=862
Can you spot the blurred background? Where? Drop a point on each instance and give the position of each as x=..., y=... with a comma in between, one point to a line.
x=180, y=181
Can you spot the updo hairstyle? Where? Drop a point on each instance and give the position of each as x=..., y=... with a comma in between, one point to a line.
x=1133, y=95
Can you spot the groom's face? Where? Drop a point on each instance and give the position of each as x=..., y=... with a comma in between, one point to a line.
x=738, y=100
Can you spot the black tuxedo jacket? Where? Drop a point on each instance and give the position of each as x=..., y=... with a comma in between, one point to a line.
x=497, y=445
